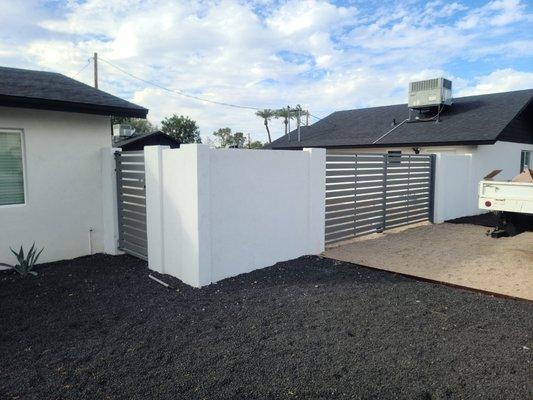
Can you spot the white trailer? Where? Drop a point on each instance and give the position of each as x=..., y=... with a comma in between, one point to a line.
x=516, y=197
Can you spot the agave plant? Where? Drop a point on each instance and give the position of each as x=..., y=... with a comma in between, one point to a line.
x=25, y=262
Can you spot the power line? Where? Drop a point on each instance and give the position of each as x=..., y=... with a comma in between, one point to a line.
x=81, y=70
x=176, y=91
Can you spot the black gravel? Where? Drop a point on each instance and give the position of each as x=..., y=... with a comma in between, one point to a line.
x=312, y=328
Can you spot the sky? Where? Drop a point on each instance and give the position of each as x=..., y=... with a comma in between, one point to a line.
x=324, y=55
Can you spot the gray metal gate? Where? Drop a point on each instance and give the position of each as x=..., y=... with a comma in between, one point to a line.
x=131, y=194
x=368, y=193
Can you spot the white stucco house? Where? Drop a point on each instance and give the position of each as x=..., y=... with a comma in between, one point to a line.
x=52, y=132
x=472, y=137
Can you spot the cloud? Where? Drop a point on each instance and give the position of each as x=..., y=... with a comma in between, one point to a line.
x=501, y=80
x=321, y=54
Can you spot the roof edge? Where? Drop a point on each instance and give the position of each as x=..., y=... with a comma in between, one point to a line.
x=83, y=108
x=385, y=145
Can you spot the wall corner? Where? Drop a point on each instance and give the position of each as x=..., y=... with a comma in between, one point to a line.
x=205, y=269
x=153, y=164
x=317, y=200
x=109, y=201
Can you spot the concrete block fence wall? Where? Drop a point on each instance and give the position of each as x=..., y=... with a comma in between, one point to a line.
x=217, y=213
x=457, y=176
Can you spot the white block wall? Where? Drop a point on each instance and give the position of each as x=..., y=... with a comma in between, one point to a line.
x=217, y=213
x=458, y=175
x=64, y=185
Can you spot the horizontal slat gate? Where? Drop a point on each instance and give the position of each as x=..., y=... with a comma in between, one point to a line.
x=131, y=194
x=368, y=193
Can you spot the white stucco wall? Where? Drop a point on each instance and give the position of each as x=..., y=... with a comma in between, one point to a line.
x=223, y=212
x=459, y=170
x=63, y=179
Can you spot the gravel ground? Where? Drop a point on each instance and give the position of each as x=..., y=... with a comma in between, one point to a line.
x=458, y=254
x=311, y=328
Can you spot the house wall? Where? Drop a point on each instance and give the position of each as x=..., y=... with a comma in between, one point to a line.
x=230, y=211
x=63, y=182
x=459, y=170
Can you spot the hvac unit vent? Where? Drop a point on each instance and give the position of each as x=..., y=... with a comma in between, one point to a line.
x=431, y=92
x=123, y=130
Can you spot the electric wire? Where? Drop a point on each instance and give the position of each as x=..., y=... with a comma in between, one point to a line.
x=82, y=69
x=177, y=91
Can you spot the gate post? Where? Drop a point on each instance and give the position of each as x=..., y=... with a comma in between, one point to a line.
x=153, y=164
x=109, y=201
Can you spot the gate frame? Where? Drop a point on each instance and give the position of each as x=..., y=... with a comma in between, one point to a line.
x=118, y=174
x=380, y=190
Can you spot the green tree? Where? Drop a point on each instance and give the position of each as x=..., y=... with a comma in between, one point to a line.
x=256, y=144
x=285, y=114
x=226, y=138
x=266, y=114
x=182, y=128
x=140, y=125
x=238, y=139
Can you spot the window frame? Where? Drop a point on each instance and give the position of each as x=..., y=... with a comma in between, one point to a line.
x=21, y=132
x=394, y=156
x=523, y=159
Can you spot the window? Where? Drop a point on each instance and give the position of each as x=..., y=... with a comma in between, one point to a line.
x=395, y=156
x=526, y=160
x=11, y=170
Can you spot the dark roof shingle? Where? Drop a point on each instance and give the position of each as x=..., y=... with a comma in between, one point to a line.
x=53, y=91
x=473, y=119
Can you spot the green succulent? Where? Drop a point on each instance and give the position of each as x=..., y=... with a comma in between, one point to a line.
x=25, y=262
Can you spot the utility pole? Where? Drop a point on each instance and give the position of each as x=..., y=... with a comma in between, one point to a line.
x=299, y=117
x=249, y=143
x=289, y=121
x=306, y=117
x=95, y=59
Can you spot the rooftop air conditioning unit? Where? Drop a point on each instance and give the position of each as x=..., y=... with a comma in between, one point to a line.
x=123, y=130
x=430, y=93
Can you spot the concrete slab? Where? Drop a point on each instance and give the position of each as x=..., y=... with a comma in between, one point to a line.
x=455, y=254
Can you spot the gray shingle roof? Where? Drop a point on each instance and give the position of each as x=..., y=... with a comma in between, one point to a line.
x=472, y=119
x=53, y=91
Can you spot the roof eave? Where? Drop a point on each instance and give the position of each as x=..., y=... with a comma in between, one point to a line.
x=84, y=108
x=385, y=145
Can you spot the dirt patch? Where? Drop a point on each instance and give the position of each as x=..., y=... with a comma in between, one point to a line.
x=458, y=254
x=311, y=328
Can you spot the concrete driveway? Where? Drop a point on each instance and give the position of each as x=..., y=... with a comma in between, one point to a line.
x=458, y=254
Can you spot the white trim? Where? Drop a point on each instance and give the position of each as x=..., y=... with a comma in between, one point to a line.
x=21, y=132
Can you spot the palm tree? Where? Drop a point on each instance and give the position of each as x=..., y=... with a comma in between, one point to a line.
x=286, y=114
x=267, y=114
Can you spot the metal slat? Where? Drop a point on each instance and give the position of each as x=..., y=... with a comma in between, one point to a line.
x=331, y=187
x=409, y=220
x=133, y=249
x=133, y=199
x=134, y=223
x=365, y=191
x=132, y=175
x=133, y=183
x=405, y=213
x=133, y=191
x=134, y=238
x=132, y=167
x=132, y=158
x=137, y=208
x=131, y=196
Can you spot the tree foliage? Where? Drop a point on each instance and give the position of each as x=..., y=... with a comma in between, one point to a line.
x=256, y=144
x=140, y=125
x=267, y=114
x=226, y=138
x=182, y=128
